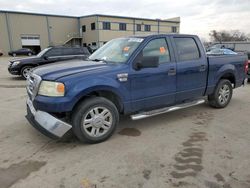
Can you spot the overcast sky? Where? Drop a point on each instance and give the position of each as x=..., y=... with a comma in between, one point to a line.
x=197, y=16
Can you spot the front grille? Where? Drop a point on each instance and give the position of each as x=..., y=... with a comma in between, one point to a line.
x=33, y=82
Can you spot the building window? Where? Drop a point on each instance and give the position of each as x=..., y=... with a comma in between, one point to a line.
x=106, y=25
x=138, y=27
x=122, y=26
x=93, y=43
x=84, y=28
x=174, y=29
x=92, y=26
x=84, y=44
x=147, y=27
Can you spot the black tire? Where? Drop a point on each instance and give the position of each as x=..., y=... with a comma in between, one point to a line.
x=216, y=100
x=83, y=111
x=24, y=71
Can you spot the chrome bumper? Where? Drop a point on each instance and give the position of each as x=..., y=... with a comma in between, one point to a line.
x=46, y=123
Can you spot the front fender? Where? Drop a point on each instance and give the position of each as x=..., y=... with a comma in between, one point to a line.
x=81, y=89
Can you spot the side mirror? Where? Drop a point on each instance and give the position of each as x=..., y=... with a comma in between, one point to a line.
x=46, y=57
x=147, y=62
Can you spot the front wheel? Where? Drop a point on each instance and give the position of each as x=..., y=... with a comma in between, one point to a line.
x=25, y=71
x=222, y=94
x=94, y=120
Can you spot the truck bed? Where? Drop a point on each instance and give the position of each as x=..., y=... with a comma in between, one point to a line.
x=219, y=64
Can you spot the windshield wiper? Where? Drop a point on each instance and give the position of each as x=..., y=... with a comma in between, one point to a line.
x=98, y=60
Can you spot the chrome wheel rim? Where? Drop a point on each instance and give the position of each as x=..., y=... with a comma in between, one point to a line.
x=26, y=72
x=97, y=122
x=224, y=94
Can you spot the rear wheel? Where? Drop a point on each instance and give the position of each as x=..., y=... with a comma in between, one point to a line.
x=95, y=120
x=25, y=71
x=222, y=94
x=29, y=54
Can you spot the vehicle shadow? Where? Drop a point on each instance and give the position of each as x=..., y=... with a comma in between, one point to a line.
x=140, y=126
x=17, y=78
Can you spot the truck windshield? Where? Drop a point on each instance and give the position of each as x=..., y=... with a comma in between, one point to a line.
x=117, y=50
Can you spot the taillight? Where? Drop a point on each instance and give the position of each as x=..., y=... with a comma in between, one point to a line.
x=246, y=65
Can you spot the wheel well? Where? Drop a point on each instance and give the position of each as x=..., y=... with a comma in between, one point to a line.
x=108, y=95
x=28, y=65
x=230, y=77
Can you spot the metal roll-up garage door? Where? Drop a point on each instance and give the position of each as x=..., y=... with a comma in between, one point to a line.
x=32, y=42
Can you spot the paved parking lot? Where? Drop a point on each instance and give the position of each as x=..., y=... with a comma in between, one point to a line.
x=194, y=147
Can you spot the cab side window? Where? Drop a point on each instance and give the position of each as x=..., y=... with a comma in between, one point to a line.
x=69, y=51
x=54, y=52
x=158, y=48
x=187, y=49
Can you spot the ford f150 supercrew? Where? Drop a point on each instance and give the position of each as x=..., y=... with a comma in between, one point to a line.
x=139, y=76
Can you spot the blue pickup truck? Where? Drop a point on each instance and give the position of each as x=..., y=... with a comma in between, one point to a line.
x=140, y=76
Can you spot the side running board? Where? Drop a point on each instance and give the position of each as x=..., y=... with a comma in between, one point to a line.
x=166, y=109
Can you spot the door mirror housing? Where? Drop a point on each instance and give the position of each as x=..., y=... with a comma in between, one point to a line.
x=147, y=62
x=46, y=57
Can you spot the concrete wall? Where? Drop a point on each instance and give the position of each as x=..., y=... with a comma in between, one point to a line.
x=62, y=29
x=90, y=35
x=4, y=39
x=156, y=25
x=23, y=24
x=114, y=32
x=52, y=30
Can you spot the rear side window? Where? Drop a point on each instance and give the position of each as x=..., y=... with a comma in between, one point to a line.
x=54, y=52
x=187, y=49
x=68, y=51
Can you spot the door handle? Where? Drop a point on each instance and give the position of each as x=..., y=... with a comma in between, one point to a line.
x=172, y=72
x=202, y=68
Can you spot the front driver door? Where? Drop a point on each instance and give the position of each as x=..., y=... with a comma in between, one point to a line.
x=154, y=87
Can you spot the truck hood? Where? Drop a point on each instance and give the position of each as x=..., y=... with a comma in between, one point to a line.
x=65, y=68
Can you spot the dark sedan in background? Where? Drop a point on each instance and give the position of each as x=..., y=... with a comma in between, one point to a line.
x=22, y=51
x=48, y=55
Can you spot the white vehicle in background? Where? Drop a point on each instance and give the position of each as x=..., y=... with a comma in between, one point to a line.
x=219, y=51
x=237, y=46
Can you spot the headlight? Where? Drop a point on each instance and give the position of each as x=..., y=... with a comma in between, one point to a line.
x=51, y=89
x=15, y=63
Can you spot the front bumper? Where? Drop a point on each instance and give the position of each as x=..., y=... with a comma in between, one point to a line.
x=13, y=71
x=46, y=123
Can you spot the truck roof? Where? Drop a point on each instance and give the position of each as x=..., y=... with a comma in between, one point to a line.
x=169, y=34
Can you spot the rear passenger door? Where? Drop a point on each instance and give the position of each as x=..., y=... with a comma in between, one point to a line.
x=192, y=68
